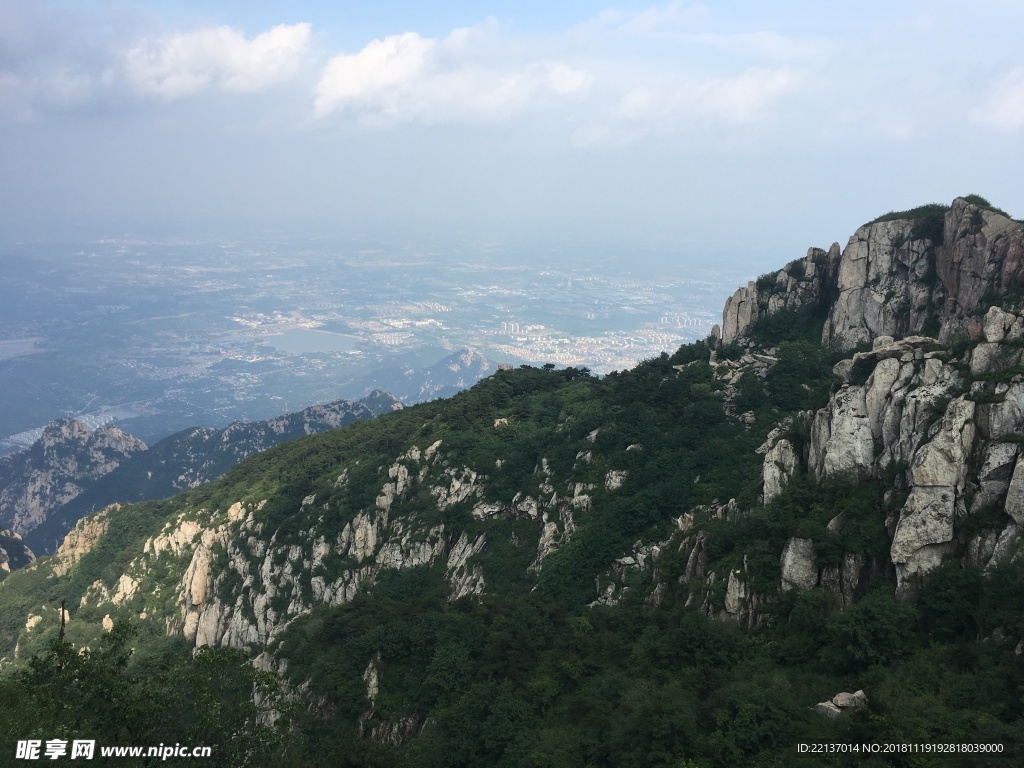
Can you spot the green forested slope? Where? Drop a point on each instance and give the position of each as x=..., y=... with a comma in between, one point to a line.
x=548, y=569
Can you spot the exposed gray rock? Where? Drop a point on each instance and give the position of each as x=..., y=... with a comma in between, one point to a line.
x=841, y=702
x=67, y=457
x=802, y=283
x=841, y=439
x=892, y=281
x=780, y=462
x=828, y=709
x=997, y=468
x=997, y=324
x=799, y=564
x=882, y=285
x=1006, y=545
x=937, y=477
x=1015, y=493
x=850, y=700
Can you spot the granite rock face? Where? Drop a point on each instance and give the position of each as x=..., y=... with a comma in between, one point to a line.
x=56, y=468
x=236, y=584
x=802, y=283
x=799, y=564
x=884, y=285
x=943, y=420
x=951, y=445
x=895, y=278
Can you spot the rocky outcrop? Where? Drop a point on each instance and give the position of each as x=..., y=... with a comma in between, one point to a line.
x=193, y=457
x=869, y=426
x=840, y=703
x=799, y=564
x=938, y=474
x=80, y=541
x=908, y=409
x=894, y=281
x=885, y=285
x=803, y=283
x=927, y=272
x=240, y=585
x=780, y=462
x=742, y=604
x=66, y=459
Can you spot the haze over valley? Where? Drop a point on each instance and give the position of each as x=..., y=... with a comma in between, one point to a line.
x=528, y=385
x=160, y=335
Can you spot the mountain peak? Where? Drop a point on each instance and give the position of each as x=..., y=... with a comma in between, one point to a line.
x=930, y=271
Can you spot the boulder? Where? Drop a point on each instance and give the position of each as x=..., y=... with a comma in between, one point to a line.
x=780, y=462
x=828, y=709
x=799, y=564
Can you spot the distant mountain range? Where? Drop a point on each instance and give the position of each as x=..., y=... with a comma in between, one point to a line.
x=66, y=459
x=442, y=379
x=72, y=471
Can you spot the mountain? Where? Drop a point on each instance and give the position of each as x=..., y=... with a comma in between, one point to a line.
x=192, y=457
x=66, y=459
x=802, y=530
x=442, y=379
x=928, y=271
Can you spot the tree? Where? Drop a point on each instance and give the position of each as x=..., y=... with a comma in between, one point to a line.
x=216, y=699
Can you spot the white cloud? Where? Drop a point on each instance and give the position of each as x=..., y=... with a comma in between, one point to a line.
x=747, y=96
x=184, y=64
x=565, y=79
x=409, y=78
x=382, y=66
x=679, y=105
x=1003, y=107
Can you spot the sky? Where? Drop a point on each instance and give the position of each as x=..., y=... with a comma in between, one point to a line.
x=747, y=128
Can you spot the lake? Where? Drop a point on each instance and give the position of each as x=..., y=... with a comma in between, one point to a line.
x=303, y=341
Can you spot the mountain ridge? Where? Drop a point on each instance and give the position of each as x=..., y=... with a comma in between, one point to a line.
x=184, y=460
x=673, y=562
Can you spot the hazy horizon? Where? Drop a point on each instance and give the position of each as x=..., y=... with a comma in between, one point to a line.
x=699, y=129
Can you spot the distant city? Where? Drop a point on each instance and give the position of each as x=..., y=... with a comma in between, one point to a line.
x=157, y=336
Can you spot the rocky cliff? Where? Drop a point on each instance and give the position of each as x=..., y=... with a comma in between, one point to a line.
x=238, y=583
x=66, y=459
x=192, y=457
x=842, y=471
x=936, y=419
x=926, y=271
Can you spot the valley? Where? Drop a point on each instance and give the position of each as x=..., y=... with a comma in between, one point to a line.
x=163, y=335
x=804, y=528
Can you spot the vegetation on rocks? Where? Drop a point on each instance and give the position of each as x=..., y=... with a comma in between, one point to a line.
x=667, y=566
